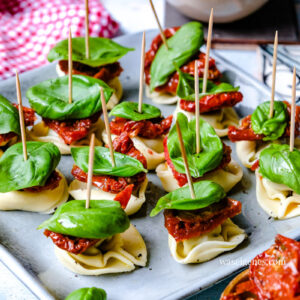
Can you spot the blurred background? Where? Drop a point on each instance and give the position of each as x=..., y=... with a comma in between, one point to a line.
x=243, y=33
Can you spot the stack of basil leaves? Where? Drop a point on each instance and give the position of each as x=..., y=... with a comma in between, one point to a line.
x=9, y=121
x=272, y=128
x=103, y=51
x=211, y=153
x=185, y=89
x=50, y=98
x=126, y=166
x=129, y=110
x=17, y=174
x=183, y=45
x=280, y=165
x=103, y=219
x=207, y=192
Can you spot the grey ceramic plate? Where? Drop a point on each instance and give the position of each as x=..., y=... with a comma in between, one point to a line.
x=162, y=278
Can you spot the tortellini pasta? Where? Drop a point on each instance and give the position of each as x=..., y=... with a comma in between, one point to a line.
x=227, y=177
x=43, y=202
x=152, y=149
x=77, y=190
x=224, y=238
x=248, y=151
x=278, y=200
x=40, y=132
x=120, y=253
x=219, y=120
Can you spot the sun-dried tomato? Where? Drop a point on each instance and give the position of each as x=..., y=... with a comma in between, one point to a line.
x=105, y=73
x=183, y=224
x=51, y=184
x=212, y=102
x=71, y=244
x=149, y=129
x=246, y=133
x=72, y=130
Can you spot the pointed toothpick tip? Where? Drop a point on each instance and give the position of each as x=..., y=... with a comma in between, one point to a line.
x=142, y=74
x=90, y=170
x=159, y=26
x=70, y=64
x=185, y=161
x=208, y=46
x=293, y=112
x=21, y=116
x=107, y=128
x=87, y=30
x=273, y=74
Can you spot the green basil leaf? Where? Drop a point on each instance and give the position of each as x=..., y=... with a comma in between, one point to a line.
x=9, y=121
x=104, y=218
x=280, y=165
x=183, y=45
x=103, y=51
x=17, y=174
x=185, y=89
x=207, y=192
x=92, y=293
x=129, y=110
x=126, y=166
x=211, y=152
x=50, y=98
x=273, y=128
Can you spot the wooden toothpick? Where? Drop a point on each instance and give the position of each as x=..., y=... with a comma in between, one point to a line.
x=107, y=128
x=70, y=64
x=142, y=74
x=21, y=117
x=293, y=111
x=273, y=74
x=186, y=165
x=87, y=31
x=90, y=170
x=159, y=26
x=208, y=45
x=197, y=107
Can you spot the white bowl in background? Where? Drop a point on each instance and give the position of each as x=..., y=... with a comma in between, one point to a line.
x=224, y=10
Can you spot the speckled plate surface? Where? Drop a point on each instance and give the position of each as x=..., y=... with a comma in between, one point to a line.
x=162, y=278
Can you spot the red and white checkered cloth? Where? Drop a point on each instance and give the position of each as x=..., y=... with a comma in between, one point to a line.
x=29, y=28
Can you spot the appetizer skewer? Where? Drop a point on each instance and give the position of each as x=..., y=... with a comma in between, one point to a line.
x=119, y=172
x=99, y=60
x=257, y=131
x=277, y=175
x=147, y=129
x=68, y=124
x=28, y=177
x=22, y=189
x=269, y=123
x=212, y=163
x=215, y=101
x=95, y=241
x=95, y=237
x=197, y=218
x=143, y=123
x=273, y=274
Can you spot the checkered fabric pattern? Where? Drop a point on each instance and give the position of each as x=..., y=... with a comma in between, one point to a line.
x=29, y=28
